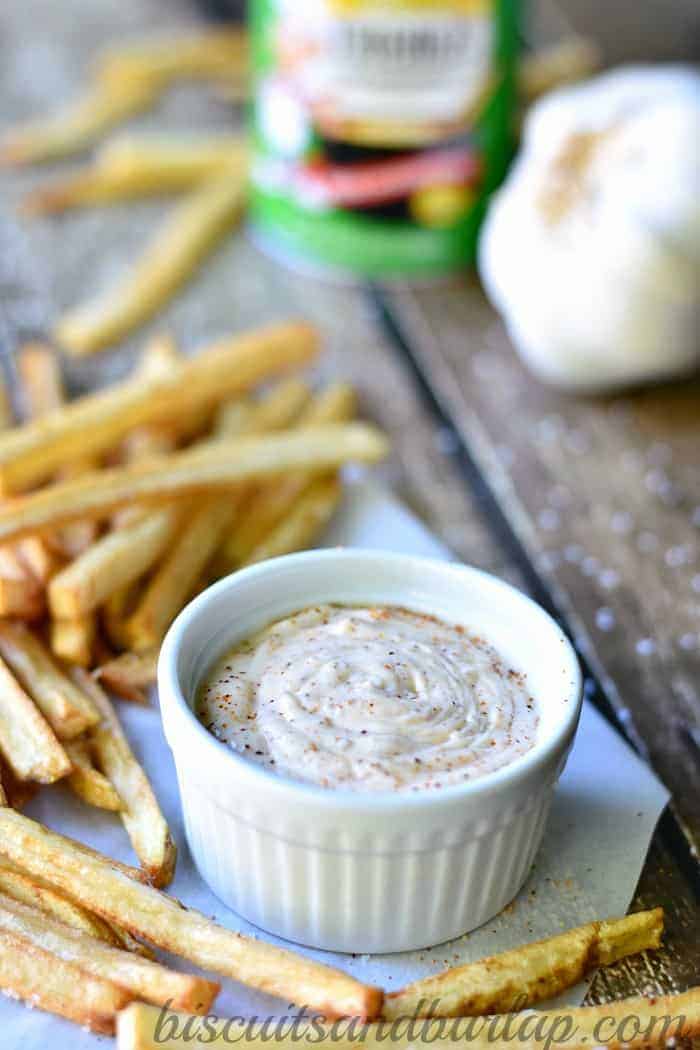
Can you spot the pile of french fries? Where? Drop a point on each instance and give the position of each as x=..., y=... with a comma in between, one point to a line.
x=74, y=927
x=210, y=170
x=116, y=509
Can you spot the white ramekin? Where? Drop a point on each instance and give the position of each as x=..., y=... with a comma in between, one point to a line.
x=367, y=872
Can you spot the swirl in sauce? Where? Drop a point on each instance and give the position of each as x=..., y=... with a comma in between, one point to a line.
x=369, y=699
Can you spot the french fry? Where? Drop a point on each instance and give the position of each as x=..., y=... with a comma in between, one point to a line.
x=337, y=404
x=162, y=920
x=130, y=675
x=140, y=813
x=201, y=55
x=307, y=518
x=28, y=889
x=156, y=169
x=40, y=377
x=87, y=782
x=33, y=892
x=190, y=156
x=21, y=594
x=520, y=978
x=188, y=236
x=66, y=708
x=177, y=575
x=116, y=611
x=38, y=557
x=33, y=453
x=114, y=561
x=21, y=590
x=73, y=640
x=211, y=465
x=41, y=980
x=142, y=978
x=17, y=793
x=27, y=741
x=42, y=387
x=627, y=1024
x=74, y=128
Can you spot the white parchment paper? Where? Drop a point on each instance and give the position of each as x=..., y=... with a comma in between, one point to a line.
x=604, y=814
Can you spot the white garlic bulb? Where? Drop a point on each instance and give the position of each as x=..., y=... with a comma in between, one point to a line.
x=591, y=249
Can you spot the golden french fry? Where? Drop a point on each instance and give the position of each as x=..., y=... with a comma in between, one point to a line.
x=177, y=575
x=337, y=404
x=42, y=387
x=39, y=558
x=191, y=156
x=163, y=921
x=41, y=382
x=638, y=1023
x=213, y=464
x=21, y=594
x=571, y=59
x=201, y=55
x=130, y=675
x=66, y=708
x=158, y=356
x=37, y=894
x=17, y=792
x=21, y=588
x=27, y=741
x=114, y=561
x=188, y=236
x=307, y=518
x=151, y=172
x=115, y=613
x=520, y=978
x=41, y=980
x=28, y=889
x=73, y=640
x=33, y=453
x=74, y=128
x=87, y=782
x=142, y=978
x=140, y=813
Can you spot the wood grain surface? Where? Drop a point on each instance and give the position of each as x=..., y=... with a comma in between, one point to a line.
x=604, y=494
x=601, y=494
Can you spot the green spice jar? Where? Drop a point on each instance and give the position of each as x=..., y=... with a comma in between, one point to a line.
x=380, y=129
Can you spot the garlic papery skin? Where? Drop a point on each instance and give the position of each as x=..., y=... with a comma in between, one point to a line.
x=591, y=249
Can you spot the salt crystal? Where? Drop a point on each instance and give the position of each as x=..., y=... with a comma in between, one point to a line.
x=646, y=646
x=549, y=560
x=677, y=556
x=609, y=579
x=590, y=566
x=605, y=619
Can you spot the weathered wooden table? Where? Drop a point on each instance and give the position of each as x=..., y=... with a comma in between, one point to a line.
x=591, y=505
